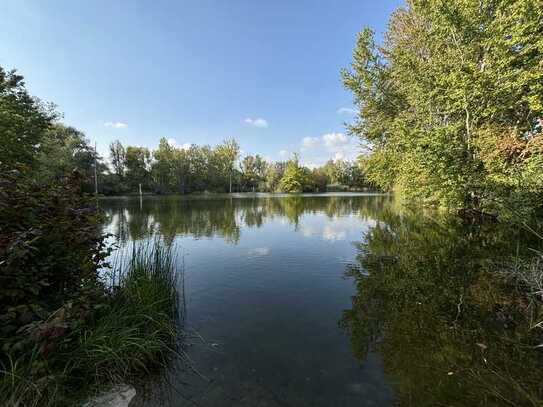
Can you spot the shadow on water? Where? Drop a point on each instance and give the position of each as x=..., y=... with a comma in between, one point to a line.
x=451, y=330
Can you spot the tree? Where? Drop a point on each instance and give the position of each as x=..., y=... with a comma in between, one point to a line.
x=118, y=158
x=163, y=167
x=181, y=169
x=337, y=171
x=204, y=169
x=274, y=173
x=65, y=149
x=319, y=179
x=227, y=154
x=253, y=170
x=294, y=177
x=23, y=122
x=355, y=176
x=450, y=103
x=260, y=167
x=137, y=166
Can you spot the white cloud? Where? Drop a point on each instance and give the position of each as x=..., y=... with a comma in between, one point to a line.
x=116, y=125
x=332, y=140
x=310, y=164
x=310, y=142
x=336, y=146
x=259, y=252
x=256, y=122
x=173, y=142
x=283, y=153
x=346, y=111
x=334, y=234
x=339, y=155
x=334, y=229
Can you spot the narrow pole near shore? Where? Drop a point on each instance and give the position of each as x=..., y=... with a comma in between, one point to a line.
x=95, y=171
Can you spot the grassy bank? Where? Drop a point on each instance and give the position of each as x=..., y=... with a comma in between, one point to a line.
x=128, y=330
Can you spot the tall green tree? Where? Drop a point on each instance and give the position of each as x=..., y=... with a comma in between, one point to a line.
x=65, y=149
x=273, y=176
x=253, y=169
x=294, y=178
x=138, y=161
x=23, y=122
x=451, y=103
x=163, y=167
x=227, y=154
x=118, y=158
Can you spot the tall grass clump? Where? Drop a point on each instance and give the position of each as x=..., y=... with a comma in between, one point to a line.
x=131, y=329
x=140, y=329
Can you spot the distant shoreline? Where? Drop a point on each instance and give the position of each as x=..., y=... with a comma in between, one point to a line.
x=244, y=194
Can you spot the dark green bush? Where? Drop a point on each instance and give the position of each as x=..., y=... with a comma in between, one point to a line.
x=50, y=249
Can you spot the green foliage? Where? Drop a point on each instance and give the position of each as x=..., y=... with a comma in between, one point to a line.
x=163, y=168
x=203, y=168
x=50, y=248
x=227, y=155
x=118, y=158
x=344, y=173
x=294, y=178
x=137, y=329
x=451, y=103
x=253, y=172
x=23, y=122
x=319, y=179
x=196, y=168
x=82, y=347
x=64, y=150
x=137, y=162
x=273, y=176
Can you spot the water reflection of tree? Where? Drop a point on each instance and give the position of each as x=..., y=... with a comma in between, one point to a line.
x=449, y=330
x=224, y=217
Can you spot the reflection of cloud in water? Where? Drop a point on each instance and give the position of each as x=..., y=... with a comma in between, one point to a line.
x=335, y=229
x=259, y=251
x=332, y=232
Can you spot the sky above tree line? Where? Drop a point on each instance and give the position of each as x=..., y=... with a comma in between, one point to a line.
x=263, y=72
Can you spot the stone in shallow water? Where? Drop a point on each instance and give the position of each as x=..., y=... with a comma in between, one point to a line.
x=119, y=396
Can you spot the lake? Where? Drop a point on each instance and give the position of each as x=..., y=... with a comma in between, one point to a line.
x=338, y=300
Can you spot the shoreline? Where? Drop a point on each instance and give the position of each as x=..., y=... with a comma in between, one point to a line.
x=244, y=194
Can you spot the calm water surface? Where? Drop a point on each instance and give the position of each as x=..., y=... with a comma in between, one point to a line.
x=336, y=300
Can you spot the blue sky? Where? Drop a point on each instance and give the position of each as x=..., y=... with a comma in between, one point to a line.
x=263, y=72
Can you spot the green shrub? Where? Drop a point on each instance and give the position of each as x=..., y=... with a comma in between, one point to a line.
x=50, y=250
x=130, y=332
